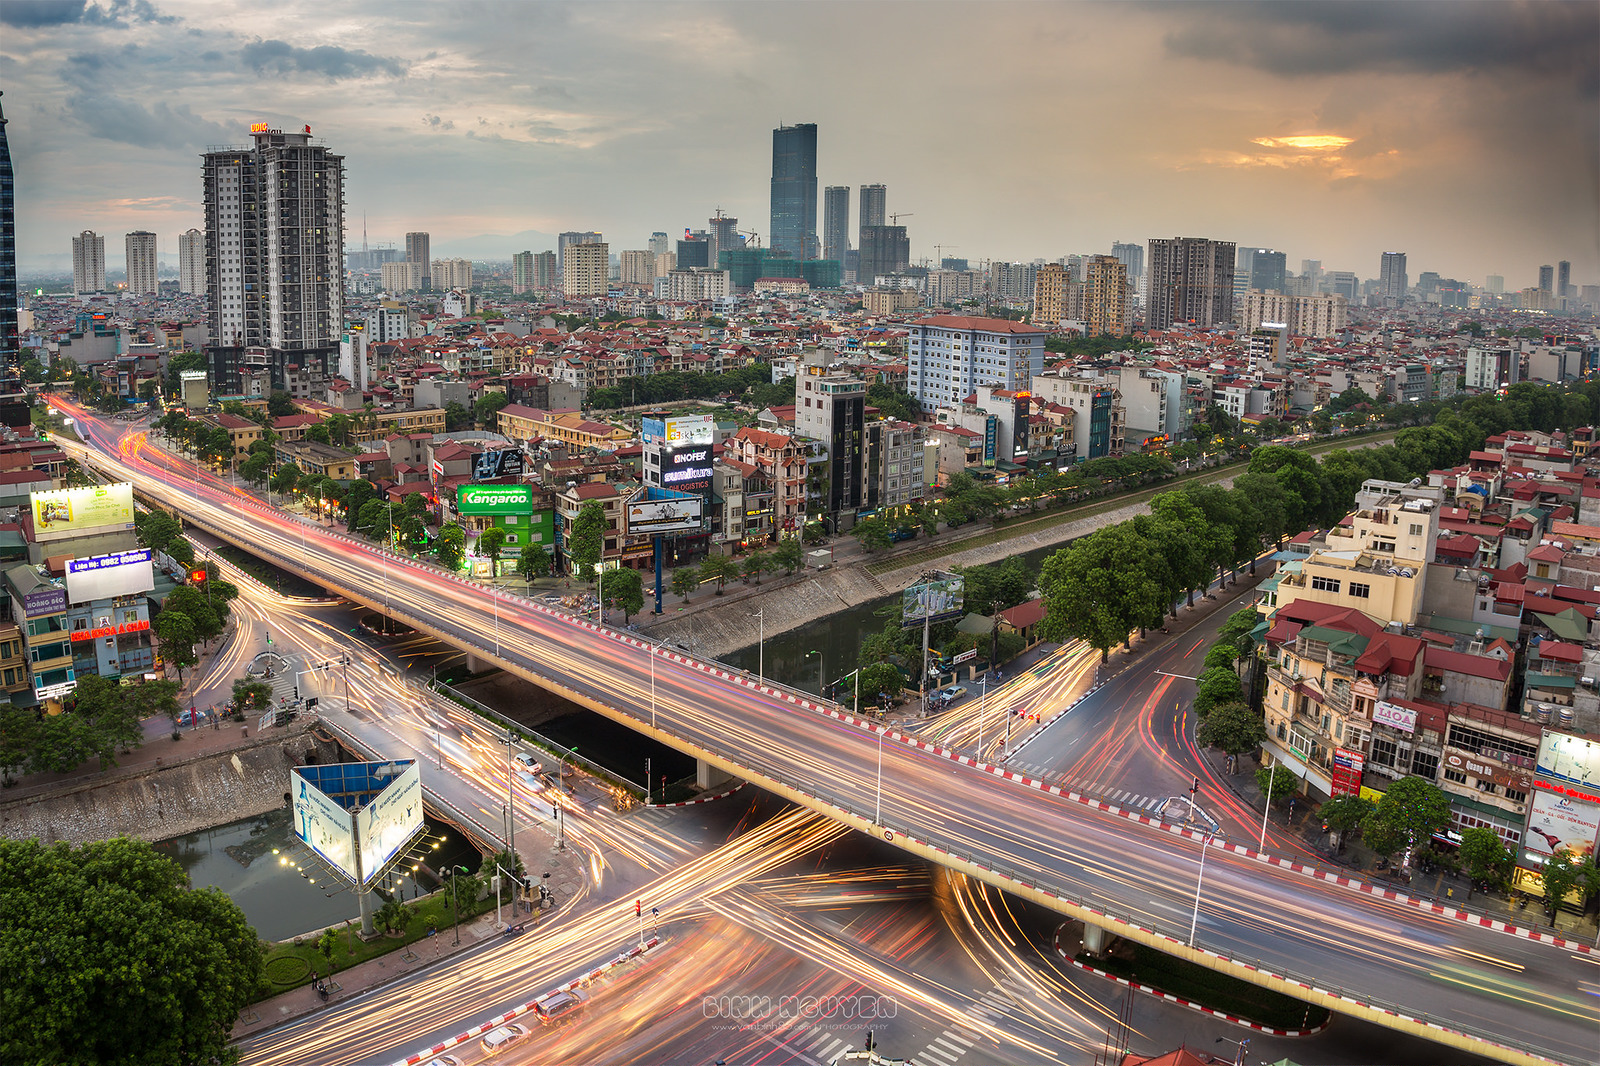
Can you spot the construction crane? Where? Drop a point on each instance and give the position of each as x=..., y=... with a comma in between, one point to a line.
x=894, y=219
x=938, y=250
x=755, y=238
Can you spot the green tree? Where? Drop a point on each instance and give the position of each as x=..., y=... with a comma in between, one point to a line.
x=872, y=534
x=451, y=546
x=1345, y=814
x=1233, y=727
x=1280, y=782
x=532, y=561
x=356, y=496
x=685, y=579
x=788, y=553
x=1221, y=656
x=113, y=719
x=880, y=681
x=718, y=568
x=280, y=404
x=1561, y=875
x=287, y=477
x=112, y=958
x=490, y=541
x=373, y=521
x=1007, y=584
x=317, y=433
x=487, y=409
x=193, y=603
x=1484, y=856
x=1102, y=587
x=587, y=542
x=176, y=632
x=250, y=694
x=20, y=732
x=254, y=469
x=456, y=417
x=624, y=591
x=1412, y=808
x=756, y=563
x=63, y=742
x=1216, y=686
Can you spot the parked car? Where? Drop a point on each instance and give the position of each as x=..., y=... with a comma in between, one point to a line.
x=954, y=692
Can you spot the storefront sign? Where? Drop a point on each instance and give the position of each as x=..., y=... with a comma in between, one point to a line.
x=1486, y=769
x=137, y=626
x=1347, y=768
x=44, y=601
x=1397, y=717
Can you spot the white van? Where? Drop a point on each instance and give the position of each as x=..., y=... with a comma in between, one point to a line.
x=497, y=1040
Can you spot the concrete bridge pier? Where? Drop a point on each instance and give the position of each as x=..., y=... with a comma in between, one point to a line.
x=474, y=664
x=1094, y=939
x=708, y=776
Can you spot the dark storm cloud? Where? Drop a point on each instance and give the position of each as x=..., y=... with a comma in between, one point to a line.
x=1546, y=38
x=163, y=126
x=281, y=57
x=34, y=14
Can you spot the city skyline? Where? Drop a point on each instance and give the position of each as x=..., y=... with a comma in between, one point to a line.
x=1328, y=132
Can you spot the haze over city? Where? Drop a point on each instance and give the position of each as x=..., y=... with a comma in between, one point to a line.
x=1465, y=135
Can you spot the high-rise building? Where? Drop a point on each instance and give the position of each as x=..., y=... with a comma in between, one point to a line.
x=1241, y=272
x=567, y=240
x=884, y=250
x=1392, y=278
x=88, y=262
x=666, y=263
x=1563, y=278
x=1190, y=280
x=521, y=273
x=724, y=233
x=191, y=261
x=1344, y=283
x=794, y=191
x=1107, y=303
x=274, y=256
x=447, y=274
x=1547, y=276
x=402, y=275
x=835, y=222
x=874, y=205
x=638, y=268
x=949, y=356
x=1267, y=270
x=417, y=252
x=1304, y=316
x=694, y=250
x=830, y=407
x=1050, y=287
x=1132, y=257
x=546, y=277
x=659, y=243
x=140, y=247
x=1311, y=274
x=586, y=269
x=14, y=409
x=1495, y=284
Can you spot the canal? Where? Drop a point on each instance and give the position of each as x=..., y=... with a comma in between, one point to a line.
x=800, y=657
x=243, y=859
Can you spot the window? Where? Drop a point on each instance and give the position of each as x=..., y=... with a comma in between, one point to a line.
x=1424, y=764
x=1416, y=530
x=1383, y=751
x=1325, y=584
x=1360, y=591
x=1456, y=776
x=1515, y=795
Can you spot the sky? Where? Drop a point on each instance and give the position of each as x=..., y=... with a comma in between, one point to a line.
x=1466, y=134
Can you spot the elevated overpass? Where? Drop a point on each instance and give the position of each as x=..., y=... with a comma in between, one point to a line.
x=1393, y=961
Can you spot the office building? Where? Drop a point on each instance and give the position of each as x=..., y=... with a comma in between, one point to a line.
x=88, y=262
x=447, y=274
x=192, y=261
x=585, y=269
x=794, y=191
x=1241, y=272
x=567, y=240
x=1393, y=282
x=638, y=268
x=874, y=205
x=402, y=275
x=14, y=405
x=1099, y=419
x=417, y=252
x=1267, y=270
x=274, y=256
x=724, y=234
x=140, y=248
x=659, y=243
x=694, y=250
x=946, y=287
x=1563, y=278
x=1107, y=299
x=884, y=250
x=1191, y=281
x=949, y=356
x=1132, y=257
x=1051, y=286
x=1495, y=284
x=831, y=407
x=1547, y=274
x=835, y=222
x=1344, y=283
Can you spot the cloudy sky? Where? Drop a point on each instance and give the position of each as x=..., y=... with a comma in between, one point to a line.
x=1466, y=134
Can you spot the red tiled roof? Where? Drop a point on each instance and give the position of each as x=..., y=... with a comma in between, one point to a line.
x=1025, y=614
x=1461, y=662
x=1559, y=651
x=973, y=322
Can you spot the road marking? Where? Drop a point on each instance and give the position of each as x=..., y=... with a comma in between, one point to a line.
x=957, y=1038
x=930, y=1050
x=1186, y=677
x=827, y=1055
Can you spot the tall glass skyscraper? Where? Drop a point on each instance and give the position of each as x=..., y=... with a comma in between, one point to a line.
x=835, y=222
x=9, y=350
x=794, y=190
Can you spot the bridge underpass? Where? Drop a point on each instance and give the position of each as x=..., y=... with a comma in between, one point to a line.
x=1076, y=877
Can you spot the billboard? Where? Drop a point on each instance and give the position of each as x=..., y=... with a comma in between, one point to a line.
x=1570, y=758
x=388, y=823
x=934, y=601
x=104, y=576
x=665, y=516
x=59, y=513
x=653, y=430
x=1559, y=822
x=1347, y=768
x=495, y=499
x=319, y=821
x=1395, y=716
x=690, y=429
x=501, y=462
x=687, y=469
x=44, y=601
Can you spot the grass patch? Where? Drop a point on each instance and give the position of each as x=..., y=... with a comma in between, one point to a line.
x=1186, y=980
x=289, y=966
x=285, y=582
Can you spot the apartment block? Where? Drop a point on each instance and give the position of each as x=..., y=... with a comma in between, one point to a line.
x=949, y=356
x=586, y=269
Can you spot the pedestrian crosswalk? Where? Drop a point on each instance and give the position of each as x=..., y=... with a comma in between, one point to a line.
x=948, y=1048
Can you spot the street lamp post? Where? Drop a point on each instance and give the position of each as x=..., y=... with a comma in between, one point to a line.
x=511, y=808
x=761, y=646
x=1194, y=921
x=822, y=670
x=983, y=705
x=877, y=813
x=655, y=648
x=1272, y=777
x=455, y=902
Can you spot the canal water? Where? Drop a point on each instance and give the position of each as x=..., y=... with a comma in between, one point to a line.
x=800, y=657
x=242, y=859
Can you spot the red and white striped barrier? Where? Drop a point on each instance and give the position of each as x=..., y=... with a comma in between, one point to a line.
x=518, y=1011
x=697, y=799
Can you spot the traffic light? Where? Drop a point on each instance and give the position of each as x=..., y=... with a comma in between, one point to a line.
x=638, y=908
